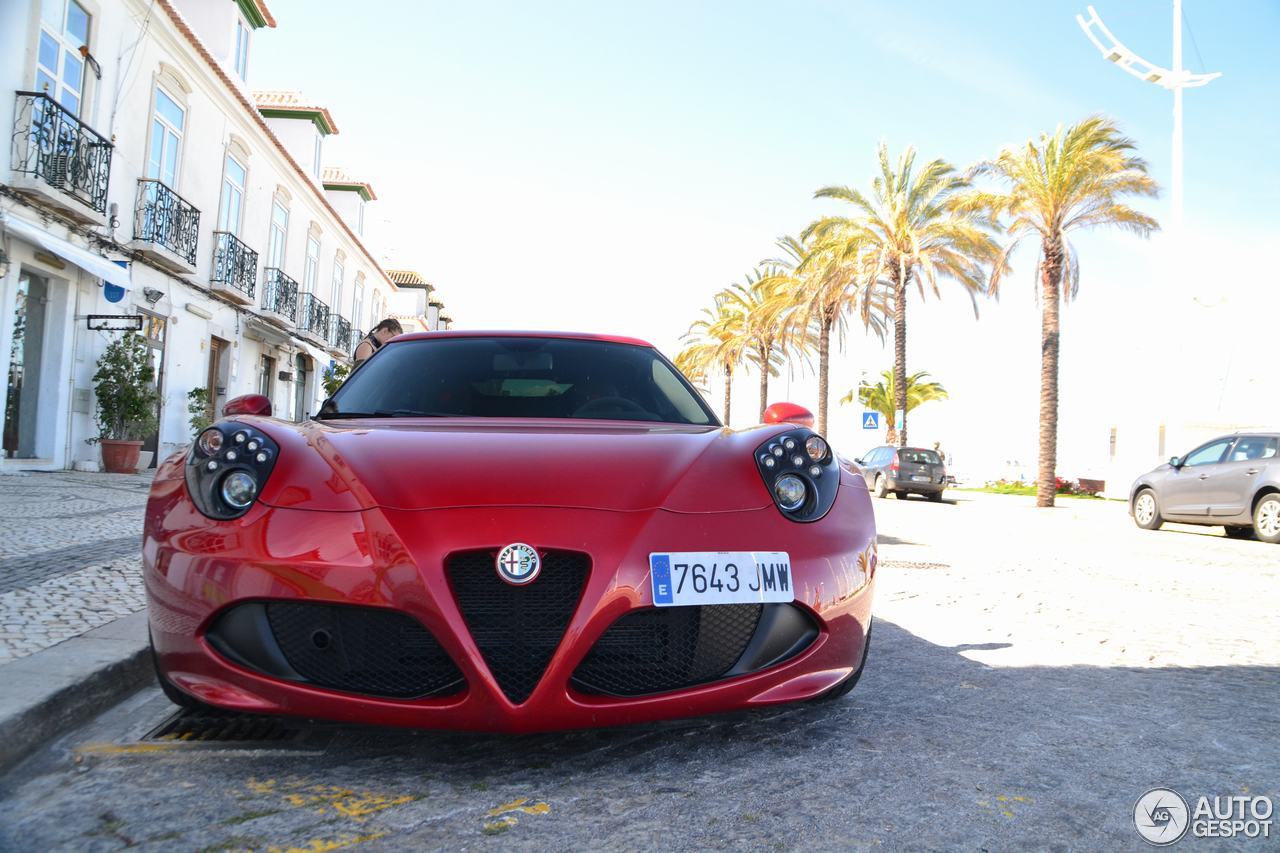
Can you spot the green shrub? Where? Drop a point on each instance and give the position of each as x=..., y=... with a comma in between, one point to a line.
x=125, y=387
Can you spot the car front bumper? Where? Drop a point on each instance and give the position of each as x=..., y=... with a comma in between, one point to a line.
x=195, y=569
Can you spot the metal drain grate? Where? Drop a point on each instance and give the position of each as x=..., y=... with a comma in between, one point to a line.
x=228, y=728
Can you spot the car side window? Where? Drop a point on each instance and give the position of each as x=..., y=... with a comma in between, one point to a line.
x=1253, y=447
x=1208, y=454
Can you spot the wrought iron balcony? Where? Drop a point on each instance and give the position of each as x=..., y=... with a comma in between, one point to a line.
x=166, y=219
x=339, y=333
x=52, y=146
x=280, y=295
x=235, y=267
x=313, y=317
x=354, y=340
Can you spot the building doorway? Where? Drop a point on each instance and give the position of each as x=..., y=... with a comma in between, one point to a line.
x=153, y=329
x=216, y=383
x=29, y=314
x=267, y=376
x=301, y=394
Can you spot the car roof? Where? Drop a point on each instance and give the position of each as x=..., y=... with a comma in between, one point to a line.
x=514, y=333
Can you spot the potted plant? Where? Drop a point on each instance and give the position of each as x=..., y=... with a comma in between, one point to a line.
x=127, y=400
x=199, y=411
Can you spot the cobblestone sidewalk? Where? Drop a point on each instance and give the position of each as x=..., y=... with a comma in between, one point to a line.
x=69, y=555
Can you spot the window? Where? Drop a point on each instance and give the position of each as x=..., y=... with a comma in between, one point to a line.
x=335, y=301
x=241, y=55
x=266, y=376
x=521, y=378
x=1208, y=454
x=357, y=303
x=167, y=122
x=311, y=269
x=64, y=28
x=1253, y=447
x=279, y=233
x=233, y=181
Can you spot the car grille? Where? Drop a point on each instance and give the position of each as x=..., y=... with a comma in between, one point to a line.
x=517, y=628
x=667, y=648
x=362, y=650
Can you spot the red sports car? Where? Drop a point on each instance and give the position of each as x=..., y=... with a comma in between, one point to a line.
x=508, y=531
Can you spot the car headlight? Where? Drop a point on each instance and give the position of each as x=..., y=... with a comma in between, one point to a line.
x=801, y=474
x=227, y=467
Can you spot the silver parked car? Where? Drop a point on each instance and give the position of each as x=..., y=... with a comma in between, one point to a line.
x=1233, y=481
x=902, y=470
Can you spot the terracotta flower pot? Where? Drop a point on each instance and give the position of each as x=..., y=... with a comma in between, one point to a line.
x=120, y=457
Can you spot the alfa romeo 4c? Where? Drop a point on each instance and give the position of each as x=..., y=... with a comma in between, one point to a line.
x=508, y=531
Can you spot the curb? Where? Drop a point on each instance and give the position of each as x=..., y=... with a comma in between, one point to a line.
x=56, y=689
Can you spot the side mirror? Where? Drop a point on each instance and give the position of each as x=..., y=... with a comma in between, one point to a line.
x=789, y=413
x=248, y=404
x=1175, y=461
x=859, y=461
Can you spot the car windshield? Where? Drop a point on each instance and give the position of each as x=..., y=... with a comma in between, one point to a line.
x=511, y=377
x=921, y=457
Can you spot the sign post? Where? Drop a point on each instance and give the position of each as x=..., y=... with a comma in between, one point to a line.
x=871, y=420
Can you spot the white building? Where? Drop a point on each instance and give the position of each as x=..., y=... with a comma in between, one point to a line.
x=137, y=140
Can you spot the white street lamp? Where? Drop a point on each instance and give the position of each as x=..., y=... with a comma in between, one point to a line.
x=1175, y=79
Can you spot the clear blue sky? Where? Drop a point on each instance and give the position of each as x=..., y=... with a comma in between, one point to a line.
x=610, y=165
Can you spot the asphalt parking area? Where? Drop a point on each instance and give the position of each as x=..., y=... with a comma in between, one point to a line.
x=1032, y=673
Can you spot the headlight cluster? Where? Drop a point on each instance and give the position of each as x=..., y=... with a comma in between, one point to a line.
x=227, y=467
x=801, y=474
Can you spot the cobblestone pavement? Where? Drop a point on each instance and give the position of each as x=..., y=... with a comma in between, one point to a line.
x=69, y=549
x=1032, y=674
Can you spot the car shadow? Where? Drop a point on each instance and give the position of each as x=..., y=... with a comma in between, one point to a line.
x=931, y=750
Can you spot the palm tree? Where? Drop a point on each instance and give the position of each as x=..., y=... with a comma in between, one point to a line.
x=821, y=286
x=910, y=230
x=765, y=335
x=882, y=398
x=717, y=341
x=1073, y=179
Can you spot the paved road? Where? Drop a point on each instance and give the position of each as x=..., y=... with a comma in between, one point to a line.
x=1033, y=673
x=68, y=555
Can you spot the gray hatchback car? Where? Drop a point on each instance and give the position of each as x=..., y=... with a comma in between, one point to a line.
x=1233, y=481
x=902, y=470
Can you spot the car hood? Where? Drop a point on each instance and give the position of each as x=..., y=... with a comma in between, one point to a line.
x=415, y=464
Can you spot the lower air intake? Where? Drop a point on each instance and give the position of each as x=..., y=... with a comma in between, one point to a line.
x=517, y=628
x=667, y=648
x=366, y=650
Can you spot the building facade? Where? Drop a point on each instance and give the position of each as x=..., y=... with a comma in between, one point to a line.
x=147, y=179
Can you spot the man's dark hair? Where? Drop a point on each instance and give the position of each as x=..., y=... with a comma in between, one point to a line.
x=391, y=324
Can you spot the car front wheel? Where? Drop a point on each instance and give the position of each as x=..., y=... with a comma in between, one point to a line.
x=882, y=488
x=1145, y=512
x=1266, y=519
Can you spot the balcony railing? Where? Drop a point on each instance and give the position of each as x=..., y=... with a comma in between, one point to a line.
x=354, y=340
x=167, y=219
x=313, y=317
x=53, y=145
x=280, y=294
x=339, y=332
x=235, y=265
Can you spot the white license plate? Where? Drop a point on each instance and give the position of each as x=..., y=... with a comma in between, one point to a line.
x=920, y=478
x=682, y=578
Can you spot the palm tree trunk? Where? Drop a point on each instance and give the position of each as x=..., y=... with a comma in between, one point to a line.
x=824, y=363
x=900, y=353
x=1050, y=275
x=764, y=382
x=728, y=392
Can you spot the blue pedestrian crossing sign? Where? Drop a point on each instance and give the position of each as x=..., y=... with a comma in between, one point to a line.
x=871, y=420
